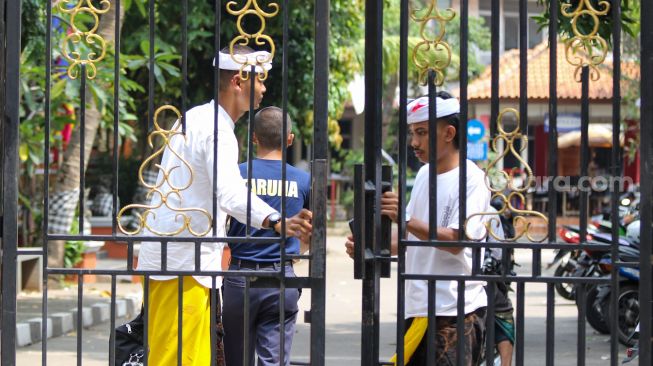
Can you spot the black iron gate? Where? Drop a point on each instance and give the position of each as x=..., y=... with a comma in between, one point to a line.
x=373, y=248
x=84, y=66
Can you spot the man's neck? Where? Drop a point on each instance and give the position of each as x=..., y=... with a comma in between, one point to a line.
x=269, y=154
x=228, y=103
x=449, y=161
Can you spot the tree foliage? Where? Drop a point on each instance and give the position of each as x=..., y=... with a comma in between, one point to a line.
x=345, y=30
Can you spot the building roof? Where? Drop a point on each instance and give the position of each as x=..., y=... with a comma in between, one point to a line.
x=538, y=77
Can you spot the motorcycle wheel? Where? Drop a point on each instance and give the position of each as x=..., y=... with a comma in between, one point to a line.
x=594, y=311
x=628, y=315
x=564, y=289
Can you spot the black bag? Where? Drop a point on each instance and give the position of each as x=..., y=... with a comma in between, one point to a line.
x=129, y=343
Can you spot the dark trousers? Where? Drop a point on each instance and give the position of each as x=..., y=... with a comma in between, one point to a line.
x=263, y=328
x=446, y=340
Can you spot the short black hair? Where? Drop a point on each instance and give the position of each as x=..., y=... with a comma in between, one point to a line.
x=452, y=119
x=226, y=75
x=268, y=127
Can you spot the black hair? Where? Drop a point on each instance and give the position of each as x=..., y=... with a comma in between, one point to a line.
x=268, y=127
x=452, y=119
x=226, y=75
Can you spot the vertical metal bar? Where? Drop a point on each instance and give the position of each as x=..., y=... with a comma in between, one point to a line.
x=216, y=109
x=550, y=324
x=372, y=155
x=10, y=174
x=80, y=307
x=164, y=255
x=584, y=149
x=581, y=291
x=116, y=121
x=246, y=335
x=184, y=63
x=490, y=318
x=523, y=67
x=46, y=179
x=431, y=329
x=460, y=326
x=617, y=161
x=319, y=182
x=519, y=341
x=198, y=256
x=284, y=157
x=214, y=322
x=146, y=316
x=464, y=116
x=433, y=163
x=401, y=250
x=496, y=52
x=646, y=164
x=150, y=78
x=112, y=327
x=282, y=316
x=180, y=319
x=82, y=142
x=250, y=148
x=553, y=132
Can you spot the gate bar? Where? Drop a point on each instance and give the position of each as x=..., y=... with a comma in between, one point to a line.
x=372, y=162
x=319, y=181
x=82, y=148
x=553, y=132
x=401, y=249
x=10, y=182
x=646, y=162
x=616, y=158
x=46, y=182
x=116, y=121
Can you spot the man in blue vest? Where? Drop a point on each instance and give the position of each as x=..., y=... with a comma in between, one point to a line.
x=264, y=328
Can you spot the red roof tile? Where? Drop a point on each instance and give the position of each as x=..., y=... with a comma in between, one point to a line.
x=538, y=77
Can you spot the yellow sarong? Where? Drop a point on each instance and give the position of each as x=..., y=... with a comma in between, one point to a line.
x=412, y=338
x=163, y=320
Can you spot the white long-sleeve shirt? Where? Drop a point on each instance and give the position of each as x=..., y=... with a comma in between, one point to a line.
x=196, y=148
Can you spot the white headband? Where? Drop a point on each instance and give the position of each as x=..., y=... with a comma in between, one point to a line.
x=235, y=63
x=418, y=109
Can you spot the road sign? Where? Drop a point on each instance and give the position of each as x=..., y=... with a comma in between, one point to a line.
x=475, y=130
x=477, y=150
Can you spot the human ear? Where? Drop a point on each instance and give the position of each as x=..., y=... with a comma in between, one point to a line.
x=291, y=139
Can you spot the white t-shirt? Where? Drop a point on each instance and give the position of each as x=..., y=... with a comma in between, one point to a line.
x=197, y=149
x=425, y=260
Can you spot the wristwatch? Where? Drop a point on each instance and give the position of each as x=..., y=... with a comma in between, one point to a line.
x=273, y=220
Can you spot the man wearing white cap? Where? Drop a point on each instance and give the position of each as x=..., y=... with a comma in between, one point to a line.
x=197, y=148
x=441, y=261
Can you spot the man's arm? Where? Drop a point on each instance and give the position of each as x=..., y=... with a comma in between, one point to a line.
x=232, y=193
x=390, y=208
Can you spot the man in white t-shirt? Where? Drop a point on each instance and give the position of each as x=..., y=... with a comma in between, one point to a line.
x=442, y=261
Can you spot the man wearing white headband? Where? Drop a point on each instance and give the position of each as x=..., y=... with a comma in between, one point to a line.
x=197, y=148
x=449, y=261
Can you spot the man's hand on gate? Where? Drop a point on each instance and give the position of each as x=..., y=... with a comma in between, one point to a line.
x=299, y=225
x=349, y=246
x=390, y=205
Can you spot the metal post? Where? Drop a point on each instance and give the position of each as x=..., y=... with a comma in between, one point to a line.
x=646, y=116
x=373, y=90
x=319, y=182
x=10, y=145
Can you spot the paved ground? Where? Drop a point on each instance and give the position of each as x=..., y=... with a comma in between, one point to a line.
x=343, y=323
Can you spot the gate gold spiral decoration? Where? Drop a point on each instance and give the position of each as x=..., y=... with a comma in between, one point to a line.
x=252, y=9
x=586, y=49
x=88, y=38
x=511, y=195
x=432, y=53
x=171, y=189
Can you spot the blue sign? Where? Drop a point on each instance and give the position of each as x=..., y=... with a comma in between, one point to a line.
x=477, y=150
x=475, y=130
